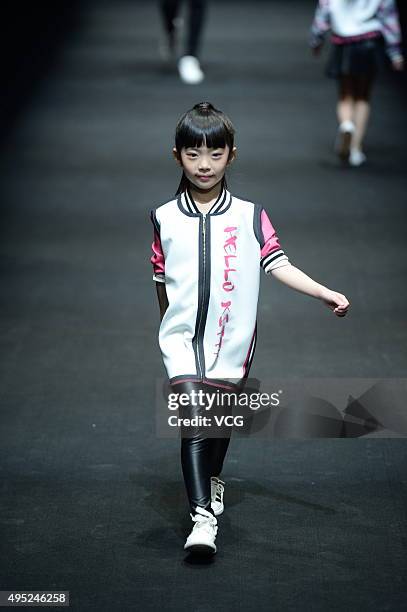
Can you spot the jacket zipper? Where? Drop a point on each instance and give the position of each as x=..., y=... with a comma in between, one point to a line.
x=203, y=298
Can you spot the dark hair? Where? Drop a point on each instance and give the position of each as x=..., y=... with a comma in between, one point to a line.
x=203, y=125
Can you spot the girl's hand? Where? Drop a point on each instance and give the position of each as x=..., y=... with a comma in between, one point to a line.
x=398, y=64
x=335, y=301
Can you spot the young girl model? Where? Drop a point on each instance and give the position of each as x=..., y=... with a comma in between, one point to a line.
x=358, y=28
x=208, y=249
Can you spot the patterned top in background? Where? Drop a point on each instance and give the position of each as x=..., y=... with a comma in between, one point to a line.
x=351, y=20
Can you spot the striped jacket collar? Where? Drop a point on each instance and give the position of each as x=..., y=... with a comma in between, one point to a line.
x=187, y=205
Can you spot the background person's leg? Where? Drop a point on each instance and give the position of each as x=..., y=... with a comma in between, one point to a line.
x=169, y=11
x=197, y=12
x=362, y=92
x=346, y=102
x=345, y=112
x=189, y=67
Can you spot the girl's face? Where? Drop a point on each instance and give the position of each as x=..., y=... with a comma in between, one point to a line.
x=204, y=167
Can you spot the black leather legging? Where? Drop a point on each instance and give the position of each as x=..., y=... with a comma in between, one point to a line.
x=203, y=449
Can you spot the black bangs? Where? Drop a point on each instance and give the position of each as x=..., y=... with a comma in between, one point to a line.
x=197, y=131
x=204, y=124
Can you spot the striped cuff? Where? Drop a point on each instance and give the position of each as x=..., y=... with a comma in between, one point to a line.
x=160, y=278
x=274, y=260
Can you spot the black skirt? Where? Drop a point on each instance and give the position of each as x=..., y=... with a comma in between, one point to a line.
x=361, y=58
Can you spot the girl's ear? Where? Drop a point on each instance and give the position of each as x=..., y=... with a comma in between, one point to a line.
x=232, y=155
x=177, y=157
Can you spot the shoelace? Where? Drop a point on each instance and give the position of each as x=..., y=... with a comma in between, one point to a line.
x=203, y=522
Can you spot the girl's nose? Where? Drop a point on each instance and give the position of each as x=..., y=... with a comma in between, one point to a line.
x=204, y=164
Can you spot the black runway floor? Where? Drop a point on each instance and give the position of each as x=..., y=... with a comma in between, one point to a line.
x=92, y=500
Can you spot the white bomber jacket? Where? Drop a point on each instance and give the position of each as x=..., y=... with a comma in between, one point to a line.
x=210, y=264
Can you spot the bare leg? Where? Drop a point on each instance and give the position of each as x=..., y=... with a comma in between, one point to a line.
x=363, y=88
x=362, y=112
x=346, y=101
x=345, y=113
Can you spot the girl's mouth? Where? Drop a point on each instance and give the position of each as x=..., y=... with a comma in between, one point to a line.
x=204, y=178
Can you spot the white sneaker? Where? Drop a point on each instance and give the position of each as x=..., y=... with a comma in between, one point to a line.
x=217, y=489
x=202, y=537
x=190, y=70
x=343, y=139
x=356, y=157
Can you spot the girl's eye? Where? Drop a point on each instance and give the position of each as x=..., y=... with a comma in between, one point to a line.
x=193, y=155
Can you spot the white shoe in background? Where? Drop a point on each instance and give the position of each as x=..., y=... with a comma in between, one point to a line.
x=189, y=70
x=202, y=537
x=356, y=157
x=343, y=139
x=217, y=490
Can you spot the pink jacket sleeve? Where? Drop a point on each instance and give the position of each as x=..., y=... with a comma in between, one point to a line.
x=272, y=255
x=157, y=258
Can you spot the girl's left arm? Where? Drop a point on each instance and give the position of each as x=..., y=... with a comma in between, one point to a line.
x=296, y=279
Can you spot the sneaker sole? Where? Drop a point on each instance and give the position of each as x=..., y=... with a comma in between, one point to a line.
x=358, y=164
x=189, y=81
x=200, y=549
